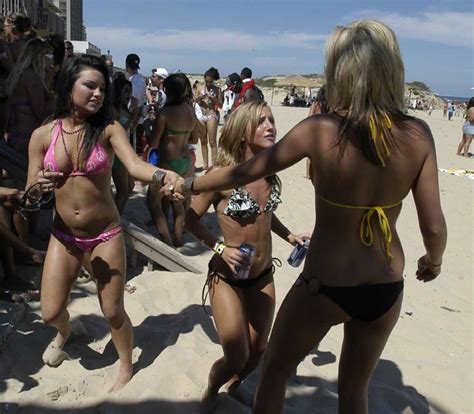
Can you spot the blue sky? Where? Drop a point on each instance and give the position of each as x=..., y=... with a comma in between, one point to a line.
x=282, y=37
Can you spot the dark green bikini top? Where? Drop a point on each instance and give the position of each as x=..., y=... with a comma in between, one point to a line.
x=171, y=132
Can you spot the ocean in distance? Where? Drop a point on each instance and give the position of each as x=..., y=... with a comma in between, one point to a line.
x=454, y=98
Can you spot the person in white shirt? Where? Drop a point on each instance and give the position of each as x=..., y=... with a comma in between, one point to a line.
x=157, y=78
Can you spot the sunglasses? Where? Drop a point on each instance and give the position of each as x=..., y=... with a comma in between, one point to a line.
x=34, y=199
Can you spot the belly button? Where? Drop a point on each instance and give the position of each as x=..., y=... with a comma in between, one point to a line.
x=76, y=212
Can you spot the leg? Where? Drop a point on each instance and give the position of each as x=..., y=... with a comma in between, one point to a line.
x=178, y=214
x=283, y=356
x=22, y=226
x=60, y=271
x=231, y=325
x=361, y=349
x=461, y=144
x=259, y=305
x=203, y=139
x=259, y=309
x=212, y=125
x=109, y=265
x=467, y=144
x=153, y=201
x=122, y=186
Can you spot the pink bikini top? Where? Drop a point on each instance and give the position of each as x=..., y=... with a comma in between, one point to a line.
x=98, y=162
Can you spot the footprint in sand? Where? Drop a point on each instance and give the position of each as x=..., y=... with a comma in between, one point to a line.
x=54, y=395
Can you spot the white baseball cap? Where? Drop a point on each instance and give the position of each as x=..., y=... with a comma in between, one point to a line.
x=161, y=72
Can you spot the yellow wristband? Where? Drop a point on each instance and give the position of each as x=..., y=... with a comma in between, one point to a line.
x=219, y=248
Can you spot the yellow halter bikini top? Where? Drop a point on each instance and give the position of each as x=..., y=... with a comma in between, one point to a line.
x=365, y=231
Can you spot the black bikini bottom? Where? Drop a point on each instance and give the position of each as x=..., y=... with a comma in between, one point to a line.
x=212, y=275
x=365, y=302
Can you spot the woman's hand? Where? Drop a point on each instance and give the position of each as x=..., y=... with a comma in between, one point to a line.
x=427, y=271
x=171, y=181
x=295, y=239
x=179, y=189
x=46, y=180
x=235, y=259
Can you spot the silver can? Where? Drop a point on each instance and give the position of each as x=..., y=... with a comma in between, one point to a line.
x=248, y=249
x=298, y=254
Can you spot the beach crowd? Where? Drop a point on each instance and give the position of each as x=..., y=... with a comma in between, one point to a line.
x=76, y=124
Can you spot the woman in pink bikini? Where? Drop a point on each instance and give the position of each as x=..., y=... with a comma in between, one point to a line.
x=72, y=156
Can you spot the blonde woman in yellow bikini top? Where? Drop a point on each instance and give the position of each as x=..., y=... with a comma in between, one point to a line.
x=366, y=156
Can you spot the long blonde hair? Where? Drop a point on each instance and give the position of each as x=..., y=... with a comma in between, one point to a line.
x=365, y=77
x=232, y=141
x=32, y=57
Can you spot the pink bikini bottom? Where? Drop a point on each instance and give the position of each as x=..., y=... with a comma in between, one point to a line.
x=86, y=244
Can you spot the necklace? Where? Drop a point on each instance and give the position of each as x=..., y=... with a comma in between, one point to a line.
x=68, y=156
x=72, y=132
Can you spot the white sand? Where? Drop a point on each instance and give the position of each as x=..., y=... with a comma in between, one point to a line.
x=425, y=368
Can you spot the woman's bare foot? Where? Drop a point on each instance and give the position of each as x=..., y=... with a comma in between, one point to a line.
x=208, y=402
x=124, y=376
x=54, y=354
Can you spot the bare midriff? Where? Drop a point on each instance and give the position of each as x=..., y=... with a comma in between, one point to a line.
x=85, y=206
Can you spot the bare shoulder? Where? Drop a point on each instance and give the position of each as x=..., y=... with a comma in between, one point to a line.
x=44, y=131
x=320, y=128
x=161, y=115
x=322, y=121
x=418, y=130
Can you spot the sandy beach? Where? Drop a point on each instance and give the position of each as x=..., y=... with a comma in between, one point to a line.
x=426, y=366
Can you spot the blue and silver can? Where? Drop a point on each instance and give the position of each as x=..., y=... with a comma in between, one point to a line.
x=243, y=272
x=298, y=254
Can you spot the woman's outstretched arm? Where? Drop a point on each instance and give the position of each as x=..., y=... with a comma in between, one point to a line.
x=294, y=146
x=136, y=167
